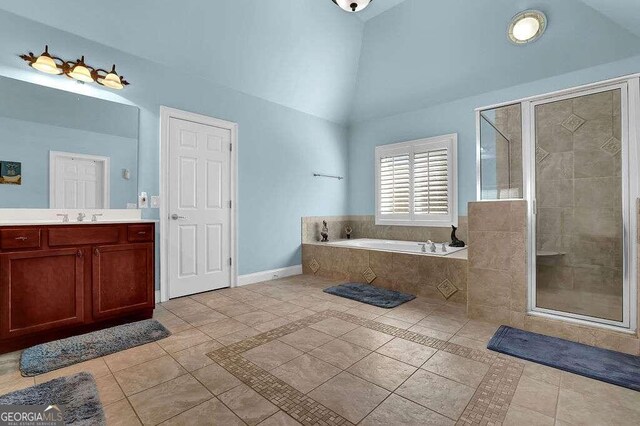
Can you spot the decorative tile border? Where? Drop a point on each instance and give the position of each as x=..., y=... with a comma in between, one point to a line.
x=488, y=405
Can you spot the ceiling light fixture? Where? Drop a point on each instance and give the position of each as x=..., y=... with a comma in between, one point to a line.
x=527, y=27
x=77, y=69
x=352, y=5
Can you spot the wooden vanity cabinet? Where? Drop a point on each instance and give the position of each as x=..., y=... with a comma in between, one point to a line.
x=61, y=280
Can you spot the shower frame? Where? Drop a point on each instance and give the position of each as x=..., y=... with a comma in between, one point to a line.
x=630, y=115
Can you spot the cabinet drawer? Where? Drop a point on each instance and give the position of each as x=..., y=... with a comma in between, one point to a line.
x=79, y=235
x=19, y=238
x=140, y=233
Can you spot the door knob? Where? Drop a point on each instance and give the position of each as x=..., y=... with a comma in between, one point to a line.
x=176, y=217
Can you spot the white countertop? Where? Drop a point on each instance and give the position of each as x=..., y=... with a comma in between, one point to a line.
x=34, y=217
x=86, y=222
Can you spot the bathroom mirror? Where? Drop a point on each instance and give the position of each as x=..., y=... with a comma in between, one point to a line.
x=63, y=150
x=500, y=153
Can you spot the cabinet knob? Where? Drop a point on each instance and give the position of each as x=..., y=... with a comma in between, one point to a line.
x=96, y=252
x=79, y=254
x=142, y=233
x=22, y=238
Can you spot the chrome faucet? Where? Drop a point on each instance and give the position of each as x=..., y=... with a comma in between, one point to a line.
x=81, y=217
x=94, y=217
x=424, y=247
x=433, y=247
x=444, y=247
x=65, y=217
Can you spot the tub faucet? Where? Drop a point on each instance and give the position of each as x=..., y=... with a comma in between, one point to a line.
x=433, y=247
x=424, y=247
x=444, y=247
x=81, y=217
x=64, y=216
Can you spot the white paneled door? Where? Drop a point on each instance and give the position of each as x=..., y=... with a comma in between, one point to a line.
x=79, y=181
x=199, y=207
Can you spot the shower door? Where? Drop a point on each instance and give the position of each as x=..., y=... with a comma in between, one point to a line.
x=578, y=173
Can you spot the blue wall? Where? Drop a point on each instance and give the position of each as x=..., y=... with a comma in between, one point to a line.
x=452, y=117
x=279, y=148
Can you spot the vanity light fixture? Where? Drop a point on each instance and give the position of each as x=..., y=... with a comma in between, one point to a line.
x=77, y=69
x=352, y=5
x=527, y=27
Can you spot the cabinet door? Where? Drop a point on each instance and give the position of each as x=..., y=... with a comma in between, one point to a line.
x=122, y=279
x=40, y=291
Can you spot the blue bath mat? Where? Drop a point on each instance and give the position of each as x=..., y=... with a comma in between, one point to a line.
x=370, y=295
x=62, y=353
x=601, y=364
x=76, y=396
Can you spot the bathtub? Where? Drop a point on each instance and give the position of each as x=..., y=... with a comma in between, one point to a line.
x=398, y=246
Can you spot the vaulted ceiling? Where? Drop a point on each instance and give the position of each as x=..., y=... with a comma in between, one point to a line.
x=395, y=56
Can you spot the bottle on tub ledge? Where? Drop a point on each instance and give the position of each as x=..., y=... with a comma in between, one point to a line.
x=324, y=232
x=348, y=230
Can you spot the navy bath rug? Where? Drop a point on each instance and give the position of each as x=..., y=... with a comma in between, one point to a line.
x=62, y=353
x=370, y=295
x=601, y=364
x=76, y=395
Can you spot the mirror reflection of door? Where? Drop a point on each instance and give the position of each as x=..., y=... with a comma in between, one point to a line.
x=79, y=181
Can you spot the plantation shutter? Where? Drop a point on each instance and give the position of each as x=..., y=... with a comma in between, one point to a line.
x=395, y=184
x=431, y=182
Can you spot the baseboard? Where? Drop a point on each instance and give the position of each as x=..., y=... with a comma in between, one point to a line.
x=259, y=277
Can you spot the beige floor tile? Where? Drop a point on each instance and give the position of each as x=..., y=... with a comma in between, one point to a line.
x=349, y=396
x=169, y=399
x=615, y=394
x=454, y=367
x=121, y=414
x=478, y=330
x=97, y=367
x=369, y=339
x=436, y=334
x=366, y=307
x=409, y=315
x=399, y=411
x=300, y=314
x=394, y=322
x=178, y=303
x=175, y=324
x=109, y=389
x=256, y=317
x=268, y=326
x=408, y=352
x=537, y=396
x=271, y=355
x=283, y=308
x=340, y=353
x=264, y=302
x=216, y=379
x=518, y=416
x=183, y=340
x=211, y=412
x=447, y=325
x=222, y=327
x=202, y=318
x=134, y=356
x=144, y=376
x=9, y=363
x=382, y=371
x=190, y=309
x=469, y=343
x=305, y=372
x=16, y=383
x=542, y=373
x=195, y=357
x=306, y=339
x=236, y=309
x=437, y=393
x=248, y=405
x=579, y=409
x=334, y=326
x=238, y=336
x=280, y=419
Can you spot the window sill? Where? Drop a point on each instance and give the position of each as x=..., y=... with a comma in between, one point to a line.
x=422, y=223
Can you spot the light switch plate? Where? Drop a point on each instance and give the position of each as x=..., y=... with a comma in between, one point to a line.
x=143, y=200
x=155, y=201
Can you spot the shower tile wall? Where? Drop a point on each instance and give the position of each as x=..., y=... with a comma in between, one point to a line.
x=578, y=192
x=509, y=154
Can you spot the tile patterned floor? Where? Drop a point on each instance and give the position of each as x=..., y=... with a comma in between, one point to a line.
x=285, y=353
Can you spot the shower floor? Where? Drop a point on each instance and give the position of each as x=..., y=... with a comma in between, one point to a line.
x=598, y=305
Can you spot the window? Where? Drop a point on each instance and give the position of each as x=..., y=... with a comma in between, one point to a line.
x=416, y=182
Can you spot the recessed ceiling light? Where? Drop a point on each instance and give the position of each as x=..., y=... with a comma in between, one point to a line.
x=527, y=26
x=352, y=5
